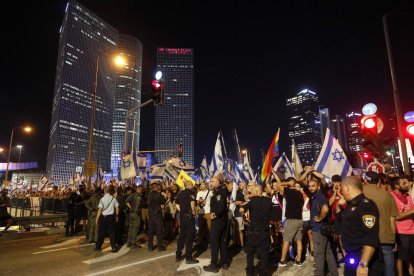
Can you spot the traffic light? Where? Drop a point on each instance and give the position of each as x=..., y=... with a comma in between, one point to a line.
x=180, y=150
x=158, y=92
x=370, y=124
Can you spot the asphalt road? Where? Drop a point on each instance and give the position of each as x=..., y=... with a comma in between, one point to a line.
x=57, y=255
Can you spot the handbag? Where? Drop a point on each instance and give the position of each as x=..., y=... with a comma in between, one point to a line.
x=327, y=228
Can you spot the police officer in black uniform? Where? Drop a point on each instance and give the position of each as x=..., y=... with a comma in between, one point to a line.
x=185, y=204
x=155, y=225
x=360, y=230
x=219, y=220
x=258, y=232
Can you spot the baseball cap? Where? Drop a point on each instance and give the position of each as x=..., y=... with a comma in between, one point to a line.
x=372, y=177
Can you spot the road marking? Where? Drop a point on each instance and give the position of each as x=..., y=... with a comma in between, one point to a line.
x=131, y=264
x=60, y=249
x=61, y=244
x=107, y=257
x=199, y=267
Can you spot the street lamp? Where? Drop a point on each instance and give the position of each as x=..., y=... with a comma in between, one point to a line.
x=25, y=129
x=90, y=163
x=20, y=150
x=389, y=153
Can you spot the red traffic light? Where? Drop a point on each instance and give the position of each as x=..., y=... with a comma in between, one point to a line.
x=365, y=155
x=156, y=84
x=410, y=129
x=369, y=123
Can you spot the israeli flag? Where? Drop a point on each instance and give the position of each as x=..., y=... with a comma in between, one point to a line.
x=156, y=172
x=217, y=162
x=128, y=166
x=204, y=168
x=247, y=169
x=296, y=164
x=180, y=164
x=283, y=168
x=332, y=159
x=141, y=161
x=240, y=177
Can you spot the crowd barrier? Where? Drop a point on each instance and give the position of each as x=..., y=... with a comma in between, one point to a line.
x=36, y=206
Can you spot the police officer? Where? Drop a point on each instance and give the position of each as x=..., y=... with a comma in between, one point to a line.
x=260, y=209
x=133, y=201
x=185, y=204
x=155, y=225
x=92, y=206
x=120, y=224
x=218, y=239
x=360, y=230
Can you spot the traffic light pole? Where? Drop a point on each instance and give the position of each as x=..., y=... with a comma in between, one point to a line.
x=128, y=114
x=397, y=102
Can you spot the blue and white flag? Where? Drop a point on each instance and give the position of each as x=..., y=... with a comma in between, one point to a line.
x=204, y=168
x=128, y=166
x=240, y=177
x=217, y=162
x=141, y=161
x=156, y=172
x=180, y=164
x=247, y=169
x=332, y=159
x=283, y=168
x=296, y=164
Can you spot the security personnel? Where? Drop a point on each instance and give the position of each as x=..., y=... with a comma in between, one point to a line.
x=108, y=211
x=120, y=224
x=360, y=230
x=133, y=201
x=92, y=206
x=260, y=209
x=155, y=225
x=185, y=204
x=218, y=239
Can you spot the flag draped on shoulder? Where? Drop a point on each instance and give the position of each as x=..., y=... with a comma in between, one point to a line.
x=332, y=159
x=283, y=168
x=128, y=165
x=271, y=154
x=296, y=164
x=217, y=162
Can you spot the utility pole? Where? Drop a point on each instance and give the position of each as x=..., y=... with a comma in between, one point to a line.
x=397, y=103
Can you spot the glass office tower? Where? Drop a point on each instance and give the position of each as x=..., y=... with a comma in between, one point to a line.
x=174, y=121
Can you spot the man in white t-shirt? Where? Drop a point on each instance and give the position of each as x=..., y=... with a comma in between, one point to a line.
x=204, y=219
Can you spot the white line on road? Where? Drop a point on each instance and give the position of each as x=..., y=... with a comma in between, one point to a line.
x=61, y=244
x=60, y=249
x=131, y=264
x=120, y=253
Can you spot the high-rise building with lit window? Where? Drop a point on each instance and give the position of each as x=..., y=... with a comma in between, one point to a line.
x=339, y=131
x=86, y=51
x=304, y=125
x=174, y=121
x=353, y=131
x=127, y=96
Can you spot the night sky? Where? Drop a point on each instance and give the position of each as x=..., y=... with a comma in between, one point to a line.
x=249, y=58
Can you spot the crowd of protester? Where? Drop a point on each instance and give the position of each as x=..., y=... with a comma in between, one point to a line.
x=294, y=234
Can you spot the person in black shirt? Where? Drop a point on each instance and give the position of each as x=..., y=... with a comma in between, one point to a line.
x=155, y=225
x=185, y=204
x=239, y=201
x=294, y=224
x=218, y=242
x=360, y=230
x=71, y=209
x=260, y=209
x=277, y=211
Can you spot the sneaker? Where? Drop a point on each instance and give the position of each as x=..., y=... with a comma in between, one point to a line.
x=191, y=261
x=179, y=259
x=211, y=268
x=283, y=263
x=297, y=263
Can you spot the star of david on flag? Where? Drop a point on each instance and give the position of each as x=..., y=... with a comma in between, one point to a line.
x=332, y=159
x=128, y=165
x=283, y=168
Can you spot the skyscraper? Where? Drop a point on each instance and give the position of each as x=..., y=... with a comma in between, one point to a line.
x=304, y=125
x=127, y=96
x=87, y=47
x=174, y=122
x=353, y=131
x=325, y=122
x=339, y=132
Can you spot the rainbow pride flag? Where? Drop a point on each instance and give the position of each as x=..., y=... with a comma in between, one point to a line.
x=271, y=154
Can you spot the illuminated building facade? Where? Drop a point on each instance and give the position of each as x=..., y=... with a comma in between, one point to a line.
x=353, y=131
x=304, y=125
x=174, y=121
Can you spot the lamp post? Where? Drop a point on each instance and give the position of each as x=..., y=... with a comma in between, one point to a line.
x=397, y=103
x=20, y=151
x=91, y=163
x=26, y=129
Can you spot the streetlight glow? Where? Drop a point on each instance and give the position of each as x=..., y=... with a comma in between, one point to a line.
x=19, y=146
x=388, y=153
x=27, y=129
x=120, y=61
x=1, y=149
